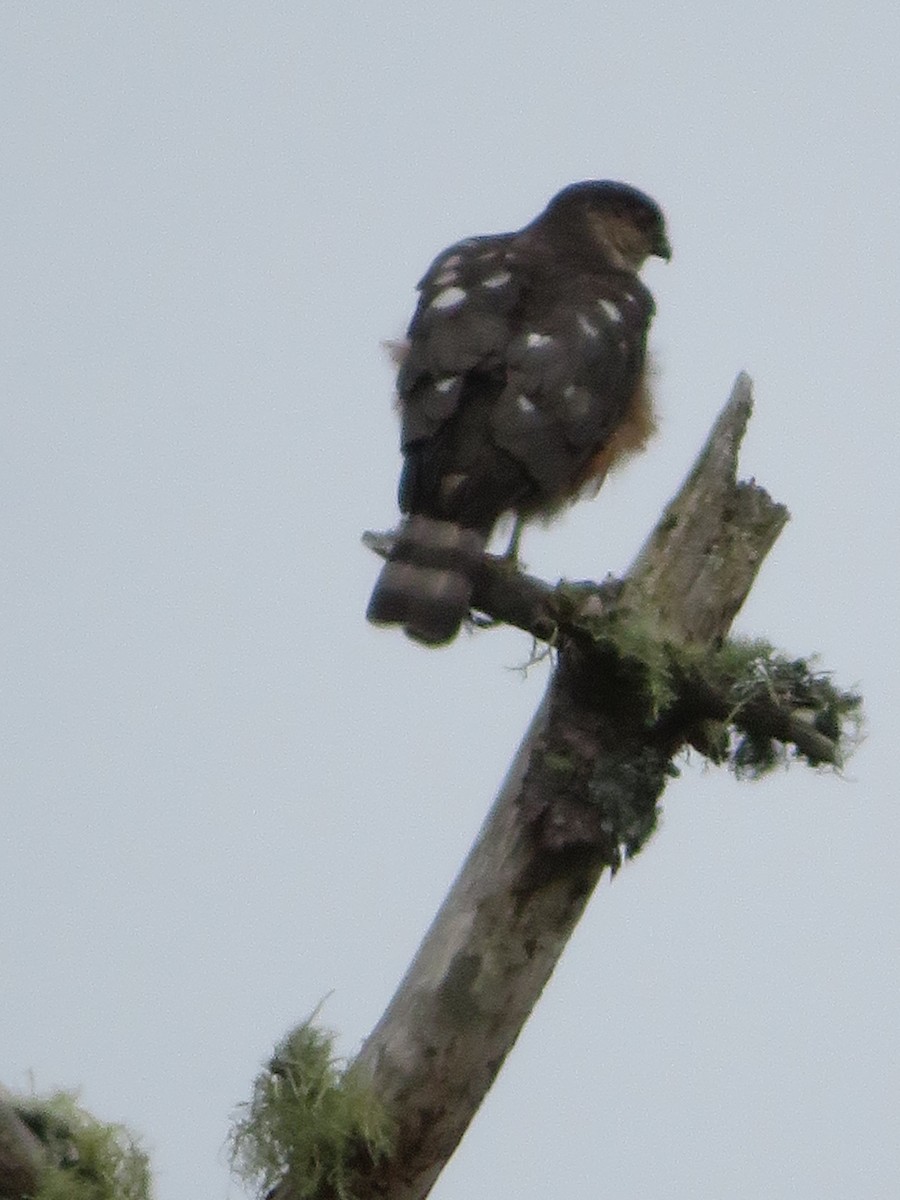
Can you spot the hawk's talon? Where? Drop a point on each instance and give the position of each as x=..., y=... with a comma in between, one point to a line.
x=511, y=554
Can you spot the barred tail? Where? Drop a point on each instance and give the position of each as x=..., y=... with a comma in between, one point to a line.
x=426, y=584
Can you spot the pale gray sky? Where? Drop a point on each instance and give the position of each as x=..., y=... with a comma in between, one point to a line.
x=224, y=795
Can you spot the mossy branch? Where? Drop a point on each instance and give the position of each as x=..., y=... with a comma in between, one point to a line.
x=70, y=1155
x=743, y=703
x=736, y=701
x=748, y=685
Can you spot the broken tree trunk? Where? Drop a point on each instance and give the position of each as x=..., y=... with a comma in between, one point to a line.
x=581, y=792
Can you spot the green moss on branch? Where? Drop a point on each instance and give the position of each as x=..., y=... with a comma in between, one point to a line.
x=86, y=1158
x=312, y=1124
x=744, y=704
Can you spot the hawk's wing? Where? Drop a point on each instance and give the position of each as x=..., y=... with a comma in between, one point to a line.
x=555, y=355
x=463, y=321
x=574, y=366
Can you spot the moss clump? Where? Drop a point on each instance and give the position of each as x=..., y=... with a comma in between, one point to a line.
x=755, y=672
x=644, y=655
x=87, y=1159
x=560, y=764
x=626, y=794
x=629, y=644
x=744, y=704
x=311, y=1122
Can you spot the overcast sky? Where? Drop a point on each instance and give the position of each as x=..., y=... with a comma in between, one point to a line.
x=224, y=796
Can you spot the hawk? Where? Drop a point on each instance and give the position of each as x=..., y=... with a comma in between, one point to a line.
x=521, y=382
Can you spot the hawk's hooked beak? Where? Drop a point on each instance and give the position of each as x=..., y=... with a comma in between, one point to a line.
x=661, y=247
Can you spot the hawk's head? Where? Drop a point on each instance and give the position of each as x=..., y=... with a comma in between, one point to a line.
x=625, y=223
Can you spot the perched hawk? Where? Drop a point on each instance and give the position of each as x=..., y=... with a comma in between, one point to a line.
x=521, y=381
